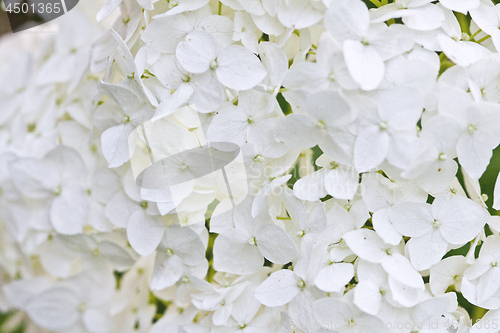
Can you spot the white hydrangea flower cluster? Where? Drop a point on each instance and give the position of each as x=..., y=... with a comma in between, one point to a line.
x=399, y=99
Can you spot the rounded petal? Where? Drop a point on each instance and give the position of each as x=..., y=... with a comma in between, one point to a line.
x=278, y=289
x=462, y=6
x=382, y=224
x=311, y=187
x=342, y=182
x=364, y=64
x=185, y=243
x=367, y=297
x=367, y=245
x=412, y=219
x=55, y=309
x=347, y=19
x=33, y=178
x=402, y=270
x=299, y=130
x=425, y=18
x=474, y=152
x=233, y=253
x=370, y=148
x=427, y=250
x=275, y=244
x=444, y=273
x=461, y=219
x=69, y=210
x=334, y=277
x=332, y=313
x=167, y=271
x=331, y=108
x=238, y=68
x=165, y=33
x=197, y=51
x=403, y=294
x=144, y=232
x=114, y=144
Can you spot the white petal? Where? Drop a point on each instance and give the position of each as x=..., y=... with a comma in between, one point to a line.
x=462, y=53
x=311, y=187
x=114, y=144
x=167, y=271
x=306, y=75
x=96, y=320
x=427, y=17
x=347, y=19
x=302, y=312
x=366, y=244
x=144, y=232
x=229, y=125
x=334, y=277
x=278, y=289
x=382, y=224
x=370, y=149
x=400, y=107
x=55, y=309
x=68, y=163
x=299, y=14
x=412, y=219
x=474, y=152
x=275, y=62
x=461, y=6
x=432, y=307
x=364, y=64
x=442, y=274
x=239, y=68
x=332, y=313
x=488, y=284
x=342, y=182
x=108, y=8
x=401, y=269
x=69, y=210
x=119, y=209
x=439, y=176
x=486, y=17
x=197, y=51
x=221, y=27
x=404, y=294
x=20, y=292
x=168, y=139
x=461, y=219
x=33, y=178
x=330, y=107
x=298, y=130
x=233, y=253
x=275, y=244
x=54, y=260
x=367, y=297
x=117, y=256
x=186, y=244
x=207, y=95
x=260, y=200
x=183, y=6
x=392, y=41
x=426, y=250
x=165, y=33
x=105, y=183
